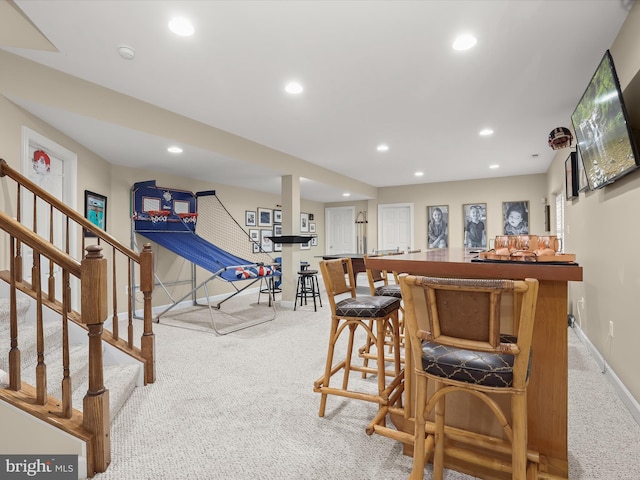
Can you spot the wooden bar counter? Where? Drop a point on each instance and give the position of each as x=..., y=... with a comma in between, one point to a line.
x=547, y=392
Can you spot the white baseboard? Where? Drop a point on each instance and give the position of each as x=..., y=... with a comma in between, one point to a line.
x=632, y=405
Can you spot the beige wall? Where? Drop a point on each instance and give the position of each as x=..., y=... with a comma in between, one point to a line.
x=601, y=229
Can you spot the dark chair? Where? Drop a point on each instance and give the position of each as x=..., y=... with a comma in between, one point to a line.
x=307, y=288
x=453, y=328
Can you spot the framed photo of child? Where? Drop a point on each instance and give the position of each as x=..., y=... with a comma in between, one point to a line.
x=475, y=225
x=516, y=218
x=438, y=226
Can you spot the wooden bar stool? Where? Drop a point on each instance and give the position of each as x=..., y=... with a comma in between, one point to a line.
x=347, y=314
x=453, y=328
x=307, y=288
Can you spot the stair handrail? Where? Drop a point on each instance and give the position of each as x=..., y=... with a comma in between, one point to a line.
x=144, y=259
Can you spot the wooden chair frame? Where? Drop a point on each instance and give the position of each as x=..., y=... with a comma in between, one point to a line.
x=446, y=311
x=339, y=281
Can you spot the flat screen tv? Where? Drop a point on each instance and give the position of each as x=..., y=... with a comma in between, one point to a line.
x=602, y=130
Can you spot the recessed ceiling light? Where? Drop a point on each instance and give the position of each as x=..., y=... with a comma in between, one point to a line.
x=486, y=132
x=494, y=166
x=346, y=194
x=382, y=147
x=419, y=174
x=464, y=42
x=174, y=149
x=181, y=26
x=294, y=88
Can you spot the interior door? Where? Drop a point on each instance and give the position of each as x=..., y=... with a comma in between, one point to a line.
x=340, y=230
x=395, y=227
x=55, y=172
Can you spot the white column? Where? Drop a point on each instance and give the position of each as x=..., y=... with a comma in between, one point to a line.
x=290, y=226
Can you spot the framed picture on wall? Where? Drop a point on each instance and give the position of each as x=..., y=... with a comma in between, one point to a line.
x=95, y=210
x=583, y=183
x=438, y=226
x=265, y=241
x=570, y=176
x=475, y=225
x=314, y=241
x=304, y=223
x=516, y=218
x=277, y=216
x=312, y=227
x=250, y=218
x=254, y=235
x=265, y=217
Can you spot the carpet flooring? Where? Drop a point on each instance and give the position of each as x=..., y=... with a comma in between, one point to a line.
x=242, y=407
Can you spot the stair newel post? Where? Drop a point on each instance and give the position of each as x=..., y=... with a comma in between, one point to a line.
x=94, y=312
x=148, y=338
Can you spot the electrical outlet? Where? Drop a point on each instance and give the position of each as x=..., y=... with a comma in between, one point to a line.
x=611, y=328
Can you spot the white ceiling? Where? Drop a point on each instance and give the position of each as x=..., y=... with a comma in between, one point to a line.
x=373, y=71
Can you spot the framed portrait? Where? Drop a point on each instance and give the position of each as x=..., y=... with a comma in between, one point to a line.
x=265, y=217
x=438, y=226
x=277, y=216
x=250, y=218
x=95, y=210
x=314, y=241
x=304, y=223
x=254, y=235
x=265, y=242
x=570, y=176
x=475, y=225
x=277, y=247
x=256, y=248
x=516, y=218
x=312, y=227
x=583, y=183
x=277, y=230
x=305, y=246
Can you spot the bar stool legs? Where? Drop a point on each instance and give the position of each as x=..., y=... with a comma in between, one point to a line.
x=307, y=288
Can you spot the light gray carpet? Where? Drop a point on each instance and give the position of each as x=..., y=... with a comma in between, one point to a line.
x=242, y=407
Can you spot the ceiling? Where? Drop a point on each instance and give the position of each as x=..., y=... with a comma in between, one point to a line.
x=373, y=72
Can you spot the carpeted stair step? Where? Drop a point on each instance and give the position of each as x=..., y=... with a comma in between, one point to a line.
x=27, y=342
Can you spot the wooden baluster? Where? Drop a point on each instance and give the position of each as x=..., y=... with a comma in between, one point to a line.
x=41, y=367
x=148, y=338
x=51, y=294
x=114, y=287
x=130, y=304
x=15, y=368
x=67, y=407
x=18, y=257
x=94, y=311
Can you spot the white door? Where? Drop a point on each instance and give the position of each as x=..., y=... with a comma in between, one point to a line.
x=55, y=172
x=395, y=227
x=340, y=228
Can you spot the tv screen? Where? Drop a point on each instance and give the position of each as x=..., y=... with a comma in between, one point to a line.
x=600, y=123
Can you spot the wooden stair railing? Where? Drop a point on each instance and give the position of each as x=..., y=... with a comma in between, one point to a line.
x=92, y=424
x=123, y=261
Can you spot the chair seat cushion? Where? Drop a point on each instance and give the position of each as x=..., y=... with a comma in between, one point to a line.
x=480, y=368
x=389, y=291
x=367, y=306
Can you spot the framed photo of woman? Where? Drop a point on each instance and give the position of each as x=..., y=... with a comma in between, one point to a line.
x=438, y=226
x=475, y=225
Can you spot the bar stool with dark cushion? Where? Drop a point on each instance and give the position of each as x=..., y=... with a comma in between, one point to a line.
x=454, y=332
x=348, y=312
x=307, y=287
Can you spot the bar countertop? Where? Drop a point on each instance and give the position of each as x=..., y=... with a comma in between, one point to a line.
x=460, y=263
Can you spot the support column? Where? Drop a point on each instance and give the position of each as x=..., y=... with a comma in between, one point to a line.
x=290, y=191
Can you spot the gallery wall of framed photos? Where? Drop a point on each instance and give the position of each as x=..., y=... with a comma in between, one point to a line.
x=266, y=222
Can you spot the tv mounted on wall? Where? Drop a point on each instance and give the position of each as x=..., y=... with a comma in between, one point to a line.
x=602, y=130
